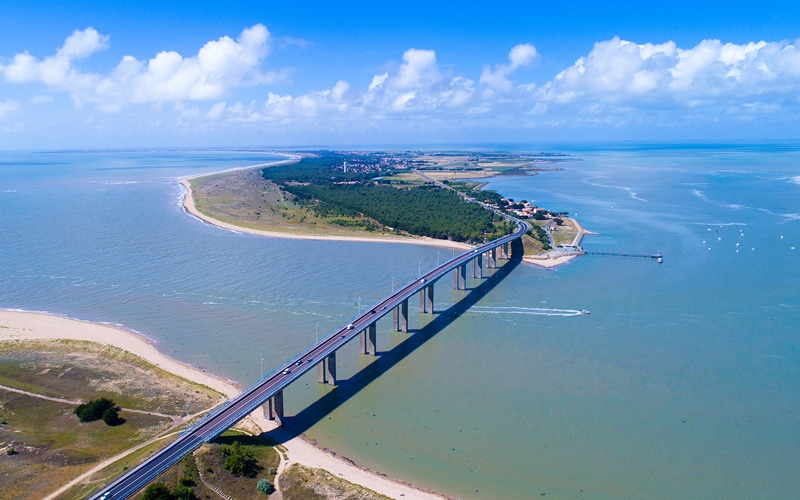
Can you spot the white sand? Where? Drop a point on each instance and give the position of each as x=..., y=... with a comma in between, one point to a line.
x=22, y=325
x=188, y=204
x=549, y=262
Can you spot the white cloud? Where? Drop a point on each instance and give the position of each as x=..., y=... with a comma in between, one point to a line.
x=418, y=71
x=7, y=107
x=618, y=71
x=219, y=66
x=417, y=86
x=497, y=80
x=58, y=70
x=41, y=99
x=617, y=82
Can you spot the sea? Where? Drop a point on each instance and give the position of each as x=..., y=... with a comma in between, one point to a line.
x=682, y=382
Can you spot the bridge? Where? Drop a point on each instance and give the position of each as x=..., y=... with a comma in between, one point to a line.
x=269, y=390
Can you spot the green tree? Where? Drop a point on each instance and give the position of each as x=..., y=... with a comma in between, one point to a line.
x=157, y=491
x=93, y=410
x=239, y=461
x=235, y=464
x=183, y=492
x=111, y=416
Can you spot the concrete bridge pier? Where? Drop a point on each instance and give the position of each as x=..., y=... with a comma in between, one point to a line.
x=473, y=263
x=326, y=369
x=462, y=278
x=493, y=258
x=479, y=265
x=505, y=251
x=367, y=342
x=400, y=317
x=274, y=407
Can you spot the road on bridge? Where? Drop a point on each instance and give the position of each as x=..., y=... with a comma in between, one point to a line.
x=226, y=415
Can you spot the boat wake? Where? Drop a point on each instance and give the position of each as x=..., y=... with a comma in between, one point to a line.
x=531, y=311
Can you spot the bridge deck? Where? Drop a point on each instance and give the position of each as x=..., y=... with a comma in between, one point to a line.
x=226, y=415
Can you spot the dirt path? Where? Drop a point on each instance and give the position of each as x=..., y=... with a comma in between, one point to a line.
x=175, y=419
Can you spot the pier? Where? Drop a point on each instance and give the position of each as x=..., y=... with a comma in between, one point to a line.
x=658, y=257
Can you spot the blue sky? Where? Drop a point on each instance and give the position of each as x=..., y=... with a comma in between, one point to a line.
x=139, y=74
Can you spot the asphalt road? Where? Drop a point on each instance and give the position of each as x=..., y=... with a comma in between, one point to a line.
x=225, y=416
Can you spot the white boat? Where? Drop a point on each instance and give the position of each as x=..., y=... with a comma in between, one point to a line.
x=584, y=311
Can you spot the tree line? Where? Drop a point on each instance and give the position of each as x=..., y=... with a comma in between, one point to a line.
x=422, y=211
x=318, y=184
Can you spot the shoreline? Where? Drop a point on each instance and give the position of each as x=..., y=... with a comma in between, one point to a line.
x=28, y=325
x=189, y=207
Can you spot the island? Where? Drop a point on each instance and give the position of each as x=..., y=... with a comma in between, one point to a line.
x=399, y=197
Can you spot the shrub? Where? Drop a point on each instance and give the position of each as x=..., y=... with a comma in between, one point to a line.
x=264, y=486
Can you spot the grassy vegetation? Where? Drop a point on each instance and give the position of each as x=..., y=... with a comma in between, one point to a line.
x=565, y=231
x=84, y=370
x=245, y=199
x=107, y=474
x=50, y=446
x=304, y=483
x=49, y=442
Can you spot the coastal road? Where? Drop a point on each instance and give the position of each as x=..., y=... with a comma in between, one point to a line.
x=226, y=415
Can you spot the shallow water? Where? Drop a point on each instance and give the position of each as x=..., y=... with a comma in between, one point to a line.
x=681, y=383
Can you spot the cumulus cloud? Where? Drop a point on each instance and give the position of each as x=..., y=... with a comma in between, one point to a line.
x=616, y=82
x=622, y=72
x=219, y=66
x=57, y=71
x=418, y=86
x=497, y=79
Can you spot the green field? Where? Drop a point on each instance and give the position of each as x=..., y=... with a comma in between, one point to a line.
x=44, y=445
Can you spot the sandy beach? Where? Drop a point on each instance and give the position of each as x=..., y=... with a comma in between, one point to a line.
x=189, y=206
x=24, y=325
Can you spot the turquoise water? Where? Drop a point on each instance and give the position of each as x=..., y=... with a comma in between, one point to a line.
x=683, y=382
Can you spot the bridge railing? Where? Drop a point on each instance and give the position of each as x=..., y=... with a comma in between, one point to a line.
x=442, y=268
